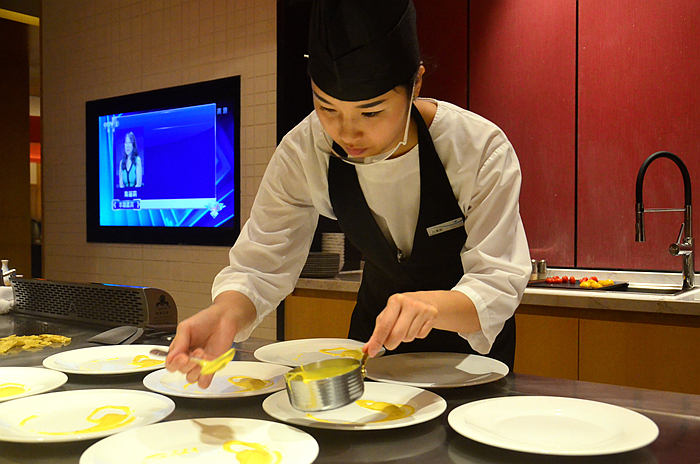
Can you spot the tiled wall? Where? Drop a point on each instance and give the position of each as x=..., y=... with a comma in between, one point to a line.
x=93, y=49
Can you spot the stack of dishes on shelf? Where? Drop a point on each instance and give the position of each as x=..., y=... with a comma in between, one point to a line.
x=334, y=242
x=321, y=265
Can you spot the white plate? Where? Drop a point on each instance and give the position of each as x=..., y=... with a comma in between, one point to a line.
x=206, y=441
x=233, y=381
x=297, y=352
x=18, y=382
x=553, y=425
x=79, y=415
x=101, y=360
x=425, y=405
x=436, y=370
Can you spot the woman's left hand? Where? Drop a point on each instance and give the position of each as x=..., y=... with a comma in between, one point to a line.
x=406, y=317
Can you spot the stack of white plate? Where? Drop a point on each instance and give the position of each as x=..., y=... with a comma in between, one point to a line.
x=334, y=242
x=321, y=265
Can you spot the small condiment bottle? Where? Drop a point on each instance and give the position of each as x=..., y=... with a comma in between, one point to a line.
x=541, y=269
x=5, y=270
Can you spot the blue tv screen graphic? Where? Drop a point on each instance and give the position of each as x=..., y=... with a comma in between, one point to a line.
x=180, y=172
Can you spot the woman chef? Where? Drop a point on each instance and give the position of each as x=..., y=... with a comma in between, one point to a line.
x=427, y=191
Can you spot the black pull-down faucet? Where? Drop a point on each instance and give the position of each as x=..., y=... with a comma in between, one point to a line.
x=684, y=246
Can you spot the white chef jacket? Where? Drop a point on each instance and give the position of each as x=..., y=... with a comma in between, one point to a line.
x=484, y=173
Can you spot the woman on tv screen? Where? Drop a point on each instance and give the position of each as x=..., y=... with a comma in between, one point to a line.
x=130, y=166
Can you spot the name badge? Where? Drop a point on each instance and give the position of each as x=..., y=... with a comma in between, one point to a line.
x=445, y=226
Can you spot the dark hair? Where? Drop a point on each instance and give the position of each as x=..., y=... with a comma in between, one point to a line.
x=134, y=152
x=408, y=85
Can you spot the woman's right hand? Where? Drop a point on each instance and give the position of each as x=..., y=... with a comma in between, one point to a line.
x=208, y=334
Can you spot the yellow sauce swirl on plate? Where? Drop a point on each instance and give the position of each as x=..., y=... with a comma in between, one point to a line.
x=11, y=389
x=392, y=412
x=252, y=453
x=121, y=416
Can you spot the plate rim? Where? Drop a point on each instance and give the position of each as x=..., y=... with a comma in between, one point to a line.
x=116, y=437
x=261, y=351
x=50, y=361
x=274, y=398
x=457, y=415
x=496, y=362
x=156, y=375
x=49, y=372
x=162, y=414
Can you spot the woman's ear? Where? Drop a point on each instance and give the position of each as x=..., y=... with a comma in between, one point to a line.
x=418, y=82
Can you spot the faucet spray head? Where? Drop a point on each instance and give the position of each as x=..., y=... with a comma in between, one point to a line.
x=639, y=234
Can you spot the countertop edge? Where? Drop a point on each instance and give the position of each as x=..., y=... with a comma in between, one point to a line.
x=559, y=298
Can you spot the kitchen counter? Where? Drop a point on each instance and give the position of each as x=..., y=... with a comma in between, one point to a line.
x=577, y=334
x=677, y=416
x=687, y=303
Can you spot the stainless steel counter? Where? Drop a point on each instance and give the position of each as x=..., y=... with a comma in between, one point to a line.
x=677, y=415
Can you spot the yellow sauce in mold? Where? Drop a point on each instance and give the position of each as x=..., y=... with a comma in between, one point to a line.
x=307, y=376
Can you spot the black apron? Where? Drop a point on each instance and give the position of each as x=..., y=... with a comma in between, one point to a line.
x=434, y=263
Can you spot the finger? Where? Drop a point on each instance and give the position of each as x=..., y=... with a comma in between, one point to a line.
x=425, y=330
x=384, y=326
x=372, y=348
x=180, y=346
x=205, y=380
x=183, y=363
x=402, y=326
x=414, y=329
x=193, y=374
x=177, y=363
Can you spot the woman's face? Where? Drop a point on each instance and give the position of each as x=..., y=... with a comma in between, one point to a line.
x=367, y=127
x=128, y=146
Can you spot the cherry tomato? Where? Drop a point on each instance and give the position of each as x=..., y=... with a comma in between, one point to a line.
x=594, y=278
x=557, y=279
x=583, y=279
x=572, y=280
x=549, y=280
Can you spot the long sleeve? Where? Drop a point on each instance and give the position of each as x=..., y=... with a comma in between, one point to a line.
x=495, y=257
x=267, y=258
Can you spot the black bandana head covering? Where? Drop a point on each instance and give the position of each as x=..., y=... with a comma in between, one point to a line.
x=360, y=49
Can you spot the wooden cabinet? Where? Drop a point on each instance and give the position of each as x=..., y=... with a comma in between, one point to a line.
x=645, y=355
x=317, y=314
x=546, y=345
x=644, y=350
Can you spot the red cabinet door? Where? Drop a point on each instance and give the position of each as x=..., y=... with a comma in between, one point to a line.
x=442, y=32
x=639, y=92
x=522, y=76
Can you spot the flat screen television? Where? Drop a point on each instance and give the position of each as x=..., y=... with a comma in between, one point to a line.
x=163, y=166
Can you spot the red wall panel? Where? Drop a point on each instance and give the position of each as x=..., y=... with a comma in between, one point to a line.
x=639, y=92
x=522, y=76
x=442, y=32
